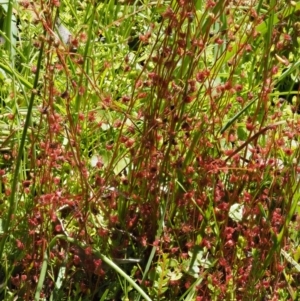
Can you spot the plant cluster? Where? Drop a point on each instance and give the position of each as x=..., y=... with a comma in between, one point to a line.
x=150, y=150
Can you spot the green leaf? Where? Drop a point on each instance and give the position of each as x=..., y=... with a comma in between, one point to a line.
x=175, y=275
x=236, y=212
x=10, y=26
x=122, y=163
x=242, y=134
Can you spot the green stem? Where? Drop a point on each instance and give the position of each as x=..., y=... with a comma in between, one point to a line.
x=261, y=28
x=13, y=199
x=85, y=57
x=12, y=72
x=42, y=277
x=104, y=259
x=7, y=25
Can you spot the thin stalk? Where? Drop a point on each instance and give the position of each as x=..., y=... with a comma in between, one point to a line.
x=158, y=235
x=12, y=72
x=104, y=259
x=85, y=57
x=236, y=116
x=42, y=277
x=13, y=199
x=8, y=20
x=261, y=28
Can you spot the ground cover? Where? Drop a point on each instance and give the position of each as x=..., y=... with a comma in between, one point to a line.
x=149, y=150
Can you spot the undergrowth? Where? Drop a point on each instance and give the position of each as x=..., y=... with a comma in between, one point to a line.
x=149, y=150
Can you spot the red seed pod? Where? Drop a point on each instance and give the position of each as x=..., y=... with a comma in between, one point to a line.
x=58, y=228
x=76, y=260
x=129, y=143
x=25, y=3
x=56, y=3
x=125, y=98
x=249, y=126
x=109, y=146
x=20, y=245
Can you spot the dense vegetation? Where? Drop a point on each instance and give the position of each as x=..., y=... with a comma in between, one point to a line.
x=149, y=150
